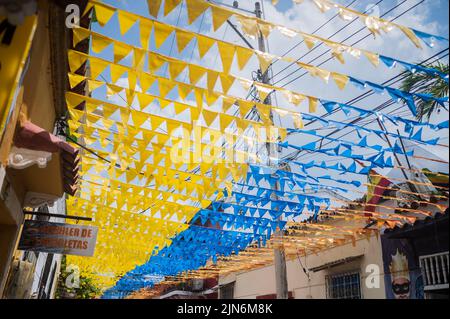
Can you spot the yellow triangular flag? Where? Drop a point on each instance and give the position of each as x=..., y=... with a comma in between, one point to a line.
x=161, y=32
x=312, y=104
x=109, y=110
x=340, y=79
x=226, y=52
x=117, y=71
x=294, y=98
x=145, y=27
x=88, y=8
x=245, y=107
x=184, y=90
x=212, y=79
x=263, y=91
x=309, y=41
x=103, y=14
x=132, y=80
x=138, y=58
x=209, y=117
x=225, y=121
x=199, y=97
x=183, y=39
x=80, y=34
x=219, y=16
x=227, y=103
x=411, y=35
x=73, y=100
x=180, y=108
x=97, y=67
x=204, y=45
x=165, y=86
x=163, y=104
x=298, y=121
x=144, y=100
x=265, y=28
x=139, y=118
x=153, y=7
x=227, y=82
x=169, y=5
x=75, y=79
x=195, y=114
x=113, y=89
x=130, y=93
x=374, y=58
x=93, y=85
x=76, y=60
x=121, y=50
x=146, y=80
x=211, y=98
x=195, y=73
x=156, y=121
x=264, y=112
x=265, y=61
x=337, y=50
x=195, y=9
x=176, y=68
x=126, y=21
x=243, y=56
x=249, y=26
x=124, y=115
x=155, y=62
x=315, y=71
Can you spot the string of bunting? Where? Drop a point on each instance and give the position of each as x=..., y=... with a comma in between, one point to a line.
x=196, y=72
x=176, y=220
x=376, y=24
x=167, y=85
x=104, y=13
x=252, y=26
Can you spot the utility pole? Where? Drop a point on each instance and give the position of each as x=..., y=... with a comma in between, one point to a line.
x=272, y=149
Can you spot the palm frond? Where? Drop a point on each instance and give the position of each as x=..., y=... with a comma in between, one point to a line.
x=428, y=84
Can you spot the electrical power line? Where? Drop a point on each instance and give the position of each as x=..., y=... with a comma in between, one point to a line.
x=353, y=44
x=397, y=78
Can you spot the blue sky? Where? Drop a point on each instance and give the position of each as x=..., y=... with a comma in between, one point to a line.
x=429, y=16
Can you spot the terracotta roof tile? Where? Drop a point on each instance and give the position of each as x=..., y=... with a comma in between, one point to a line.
x=33, y=137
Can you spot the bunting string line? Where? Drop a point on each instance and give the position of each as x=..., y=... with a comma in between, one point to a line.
x=376, y=25
x=105, y=12
x=245, y=106
x=176, y=66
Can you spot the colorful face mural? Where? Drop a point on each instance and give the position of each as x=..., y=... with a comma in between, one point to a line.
x=400, y=279
x=403, y=278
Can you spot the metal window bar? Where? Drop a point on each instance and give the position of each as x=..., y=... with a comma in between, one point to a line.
x=435, y=270
x=344, y=286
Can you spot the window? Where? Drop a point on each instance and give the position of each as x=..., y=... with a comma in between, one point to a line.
x=344, y=286
x=227, y=291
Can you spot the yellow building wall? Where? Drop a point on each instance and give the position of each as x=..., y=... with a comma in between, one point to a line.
x=36, y=103
x=38, y=92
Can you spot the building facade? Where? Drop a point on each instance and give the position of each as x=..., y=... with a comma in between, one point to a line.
x=339, y=272
x=37, y=167
x=407, y=262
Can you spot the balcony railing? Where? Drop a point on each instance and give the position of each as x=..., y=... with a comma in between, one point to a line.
x=435, y=270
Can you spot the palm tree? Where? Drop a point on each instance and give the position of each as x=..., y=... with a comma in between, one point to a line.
x=429, y=84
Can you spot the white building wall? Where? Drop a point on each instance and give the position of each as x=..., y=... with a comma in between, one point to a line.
x=249, y=285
